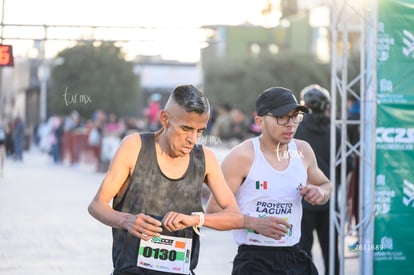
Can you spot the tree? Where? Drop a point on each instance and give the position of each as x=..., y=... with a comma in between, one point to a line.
x=93, y=77
x=238, y=82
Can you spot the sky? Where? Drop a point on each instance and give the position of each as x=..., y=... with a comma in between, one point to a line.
x=175, y=23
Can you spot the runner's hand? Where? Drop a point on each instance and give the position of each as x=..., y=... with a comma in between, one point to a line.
x=272, y=227
x=174, y=221
x=312, y=194
x=143, y=226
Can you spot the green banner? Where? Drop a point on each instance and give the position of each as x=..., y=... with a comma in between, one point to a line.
x=395, y=51
x=394, y=194
x=394, y=185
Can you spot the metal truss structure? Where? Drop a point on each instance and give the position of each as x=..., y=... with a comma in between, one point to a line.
x=362, y=87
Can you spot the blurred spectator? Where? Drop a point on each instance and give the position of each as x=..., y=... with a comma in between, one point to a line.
x=114, y=126
x=42, y=133
x=2, y=147
x=231, y=125
x=113, y=129
x=56, y=138
x=36, y=136
x=18, y=138
x=254, y=129
x=72, y=130
x=110, y=143
x=354, y=113
x=96, y=128
x=211, y=121
x=222, y=125
x=132, y=125
x=239, y=125
x=95, y=135
x=9, y=139
x=72, y=121
x=152, y=112
x=316, y=130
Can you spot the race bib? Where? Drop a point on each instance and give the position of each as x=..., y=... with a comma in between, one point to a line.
x=165, y=253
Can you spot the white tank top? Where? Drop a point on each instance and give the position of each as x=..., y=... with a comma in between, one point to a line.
x=269, y=192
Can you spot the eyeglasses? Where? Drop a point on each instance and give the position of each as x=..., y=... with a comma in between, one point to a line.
x=284, y=120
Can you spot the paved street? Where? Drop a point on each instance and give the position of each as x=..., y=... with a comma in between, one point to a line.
x=45, y=227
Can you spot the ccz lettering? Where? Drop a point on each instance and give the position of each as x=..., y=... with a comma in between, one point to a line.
x=395, y=135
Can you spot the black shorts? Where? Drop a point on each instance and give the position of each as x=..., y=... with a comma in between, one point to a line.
x=255, y=260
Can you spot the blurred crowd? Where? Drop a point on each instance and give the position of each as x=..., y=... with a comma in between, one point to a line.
x=72, y=139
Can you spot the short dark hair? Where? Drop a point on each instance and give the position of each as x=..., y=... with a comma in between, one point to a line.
x=191, y=98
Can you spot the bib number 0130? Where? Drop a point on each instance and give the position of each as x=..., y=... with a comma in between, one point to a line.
x=159, y=253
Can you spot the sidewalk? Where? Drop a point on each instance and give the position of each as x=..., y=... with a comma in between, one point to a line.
x=45, y=227
x=44, y=224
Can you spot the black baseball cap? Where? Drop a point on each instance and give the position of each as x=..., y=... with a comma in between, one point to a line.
x=278, y=101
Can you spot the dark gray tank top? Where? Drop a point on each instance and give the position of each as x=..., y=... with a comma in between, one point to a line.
x=151, y=192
